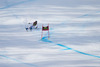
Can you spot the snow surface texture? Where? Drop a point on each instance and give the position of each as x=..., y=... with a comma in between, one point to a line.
x=74, y=33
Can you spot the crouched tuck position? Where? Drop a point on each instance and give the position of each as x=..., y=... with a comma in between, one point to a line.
x=31, y=26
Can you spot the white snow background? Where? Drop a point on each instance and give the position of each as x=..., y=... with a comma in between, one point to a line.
x=74, y=33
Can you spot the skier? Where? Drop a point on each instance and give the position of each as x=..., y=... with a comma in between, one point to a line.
x=31, y=26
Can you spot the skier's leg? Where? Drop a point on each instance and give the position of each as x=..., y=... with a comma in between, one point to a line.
x=36, y=27
x=30, y=28
x=26, y=29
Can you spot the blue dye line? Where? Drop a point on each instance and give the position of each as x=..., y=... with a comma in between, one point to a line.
x=83, y=15
x=86, y=53
x=44, y=39
x=8, y=6
x=18, y=61
x=87, y=14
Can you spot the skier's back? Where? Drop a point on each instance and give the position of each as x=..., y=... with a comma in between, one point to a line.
x=35, y=24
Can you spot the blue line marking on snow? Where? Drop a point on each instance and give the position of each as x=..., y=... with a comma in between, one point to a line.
x=83, y=15
x=44, y=39
x=68, y=48
x=88, y=14
x=11, y=5
x=86, y=53
x=64, y=49
x=18, y=60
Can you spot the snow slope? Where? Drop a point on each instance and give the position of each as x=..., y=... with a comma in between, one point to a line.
x=74, y=33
